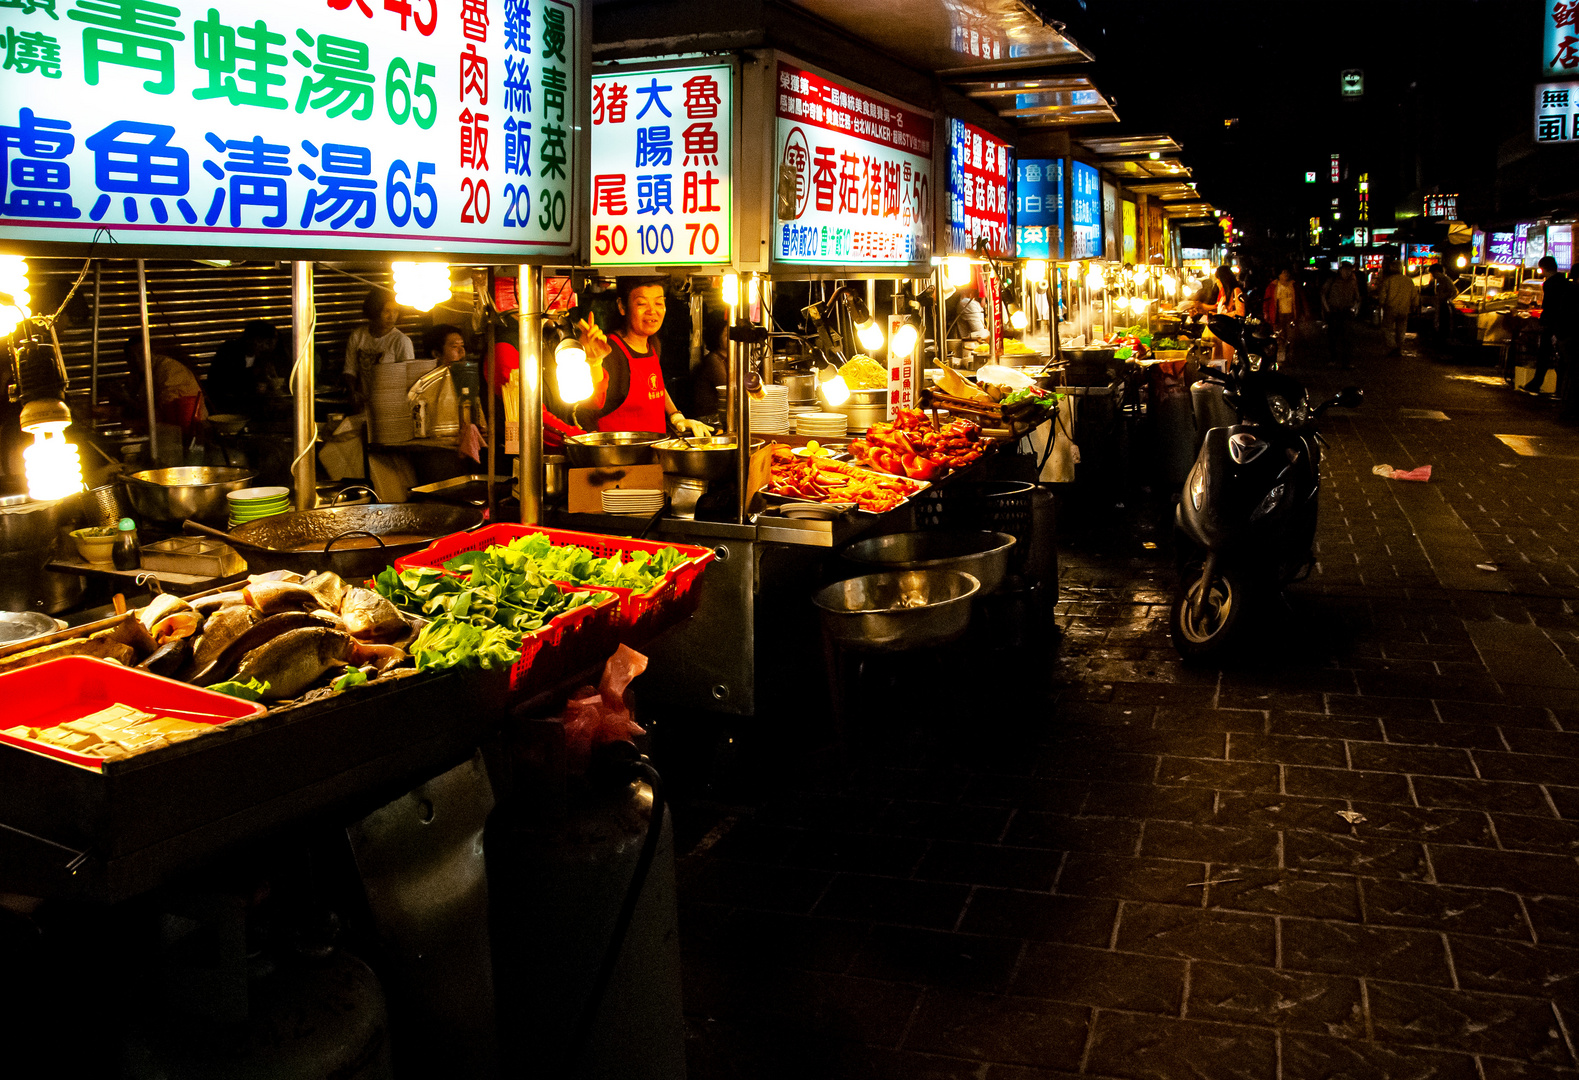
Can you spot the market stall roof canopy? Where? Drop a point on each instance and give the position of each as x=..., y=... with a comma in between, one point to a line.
x=1068, y=99
x=1200, y=209
x=1166, y=190
x=952, y=37
x=1138, y=156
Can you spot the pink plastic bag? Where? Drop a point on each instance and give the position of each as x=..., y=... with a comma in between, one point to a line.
x=594, y=716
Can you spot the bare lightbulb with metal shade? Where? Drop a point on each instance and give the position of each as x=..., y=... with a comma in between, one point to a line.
x=422, y=286
x=572, y=372
x=870, y=335
x=904, y=341
x=835, y=391
x=1036, y=270
x=957, y=270
x=1017, y=319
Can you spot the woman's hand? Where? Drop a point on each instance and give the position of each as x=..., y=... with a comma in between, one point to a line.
x=593, y=340
x=693, y=428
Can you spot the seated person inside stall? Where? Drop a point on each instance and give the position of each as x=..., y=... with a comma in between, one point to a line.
x=450, y=396
x=629, y=393
x=378, y=341
x=243, y=368
x=180, y=408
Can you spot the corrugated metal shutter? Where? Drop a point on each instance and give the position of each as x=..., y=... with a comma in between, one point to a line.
x=202, y=306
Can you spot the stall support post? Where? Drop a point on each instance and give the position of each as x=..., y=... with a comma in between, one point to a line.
x=148, y=364
x=732, y=389
x=1057, y=349
x=484, y=307
x=739, y=407
x=529, y=301
x=304, y=378
x=942, y=332
x=93, y=369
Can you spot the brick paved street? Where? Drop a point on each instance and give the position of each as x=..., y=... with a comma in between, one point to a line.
x=1353, y=855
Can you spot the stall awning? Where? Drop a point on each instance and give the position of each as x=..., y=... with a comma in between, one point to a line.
x=1166, y=191
x=1138, y=156
x=952, y=37
x=1071, y=99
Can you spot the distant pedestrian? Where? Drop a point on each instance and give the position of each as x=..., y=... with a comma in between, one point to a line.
x=1559, y=321
x=1283, y=305
x=1444, y=292
x=1398, y=297
x=1340, y=303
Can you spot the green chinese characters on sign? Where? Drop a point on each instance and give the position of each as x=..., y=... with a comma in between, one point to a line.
x=237, y=60
x=131, y=33
x=30, y=51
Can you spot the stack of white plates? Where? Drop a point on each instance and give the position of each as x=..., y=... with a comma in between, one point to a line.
x=822, y=425
x=643, y=501
x=389, y=414
x=771, y=415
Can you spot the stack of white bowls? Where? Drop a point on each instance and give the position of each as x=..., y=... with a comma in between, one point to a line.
x=632, y=501
x=770, y=416
x=388, y=413
x=822, y=425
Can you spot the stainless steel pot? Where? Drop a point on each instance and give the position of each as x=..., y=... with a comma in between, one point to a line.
x=863, y=407
x=556, y=468
x=911, y=609
x=706, y=459
x=601, y=449
x=801, y=387
x=175, y=495
x=270, y=543
x=31, y=534
x=983, y=555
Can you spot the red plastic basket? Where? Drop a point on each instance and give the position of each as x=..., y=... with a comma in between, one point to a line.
x=56, y=691
x=641, y=614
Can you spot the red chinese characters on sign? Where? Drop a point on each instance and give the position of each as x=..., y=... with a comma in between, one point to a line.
x=409, y=15
x=473, y=69
x=979, y=206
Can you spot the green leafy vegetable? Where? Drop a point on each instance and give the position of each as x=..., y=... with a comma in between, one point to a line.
x=448, y=643
x=1047, y=401
x=352, y=677
x=245, y=689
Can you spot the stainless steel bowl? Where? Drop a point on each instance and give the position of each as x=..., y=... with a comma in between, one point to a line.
x=173, y=495
x=983, y=555
x=911, y=609
x=863, y=407
x=711, y=458
x=600, y=449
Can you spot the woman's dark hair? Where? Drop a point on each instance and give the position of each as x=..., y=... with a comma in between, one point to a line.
x=715, y=332
x=433, y=341
x=624, y=286
x=1225, y=276
x=259, y=331
x=375, y=301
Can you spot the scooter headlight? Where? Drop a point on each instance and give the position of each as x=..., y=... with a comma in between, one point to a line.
x=1197, y=487
x=1269, y=503
x=1279, y=407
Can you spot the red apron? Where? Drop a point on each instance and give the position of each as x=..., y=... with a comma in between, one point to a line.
x=643, y=407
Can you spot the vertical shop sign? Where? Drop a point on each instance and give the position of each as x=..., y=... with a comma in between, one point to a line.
x=1500, y=249
x=1477, y=247
x=662, y=166
x=1560, y=245
x=1560, y=42
x=1085, y=211
x=903, y=388
x=410, y=126
x=981, y=176
x=1129, y=244
x=1110, y=222
x=1557, y=112
x=1039, y=207
x=1521, y=242
x=855, y=175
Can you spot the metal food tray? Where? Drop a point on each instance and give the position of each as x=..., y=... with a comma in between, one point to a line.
x=192, y=555
x=918, y=487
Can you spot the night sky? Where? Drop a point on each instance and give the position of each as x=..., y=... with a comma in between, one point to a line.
x=1445, y=83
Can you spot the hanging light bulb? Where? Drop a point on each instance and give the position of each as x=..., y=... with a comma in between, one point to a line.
x=15, y=299
x=1017, y=319
x=572, y=373
x=870, y=335
x=729, y=285
x=1036, y=270
x=957, y=269
x=421, y=286
x=1169, y=282
x=753, y=290
x=53, y=468
x=1094, y=278
x=904, y=340
x=835, y=391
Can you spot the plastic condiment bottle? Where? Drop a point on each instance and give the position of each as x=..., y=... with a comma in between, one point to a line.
x=126, y=555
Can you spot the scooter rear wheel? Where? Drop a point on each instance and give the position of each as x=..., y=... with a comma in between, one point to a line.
x=1203, y=627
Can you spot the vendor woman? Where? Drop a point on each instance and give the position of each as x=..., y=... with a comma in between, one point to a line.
x=628, y=393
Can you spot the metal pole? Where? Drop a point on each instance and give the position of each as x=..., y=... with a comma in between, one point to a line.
x=148, y=363
x=738, y=405
x=93, y=370
x=1057, y=350
x=304, y=379
x=732, y=379
x=529, y=300
x=942, y=327
x=493, y=389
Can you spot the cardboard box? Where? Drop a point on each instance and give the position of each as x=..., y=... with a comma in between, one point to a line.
x=585, y=486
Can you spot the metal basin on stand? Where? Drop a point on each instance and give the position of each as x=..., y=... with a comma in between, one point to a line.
x=911, y=609
x=983, y=555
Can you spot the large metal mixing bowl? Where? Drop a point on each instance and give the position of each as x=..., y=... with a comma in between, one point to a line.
x=174, y=495
x=711, y=458
x=601, y=449
x=911, y=609
x=983, y=555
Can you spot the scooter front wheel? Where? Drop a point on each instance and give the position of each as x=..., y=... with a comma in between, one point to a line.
x=1205, y=620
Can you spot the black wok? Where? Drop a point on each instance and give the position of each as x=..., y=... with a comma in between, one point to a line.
x=270, y=543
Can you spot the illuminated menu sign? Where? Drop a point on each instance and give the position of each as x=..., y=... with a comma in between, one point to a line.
x=1560, y=43
x=1560, y=245
x=855, y=175
x=1477, y=247
x=662, y=146
x=1039, y=207
x=1521, y=242
x=1557, y=112
x=980, y=208
x=1500, y=248
x=1085, y=211
x=1129, y=245
x=344, y=124
x=1110, y=222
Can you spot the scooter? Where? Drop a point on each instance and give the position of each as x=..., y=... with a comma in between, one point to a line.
x=1246, y=521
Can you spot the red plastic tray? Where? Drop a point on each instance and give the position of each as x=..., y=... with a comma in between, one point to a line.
x=640, y=613
x=569, y=642
x=56, y=691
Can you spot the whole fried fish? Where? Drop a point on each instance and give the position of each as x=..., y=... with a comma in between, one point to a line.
x=271, y=596
x=223, y=627
x=207, y=605
x=296, y=659
x=369, y=615
x=328, y=587
x=169, y=617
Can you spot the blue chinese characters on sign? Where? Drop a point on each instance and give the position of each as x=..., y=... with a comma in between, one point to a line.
x=1039, y=197
x=1085, y=211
